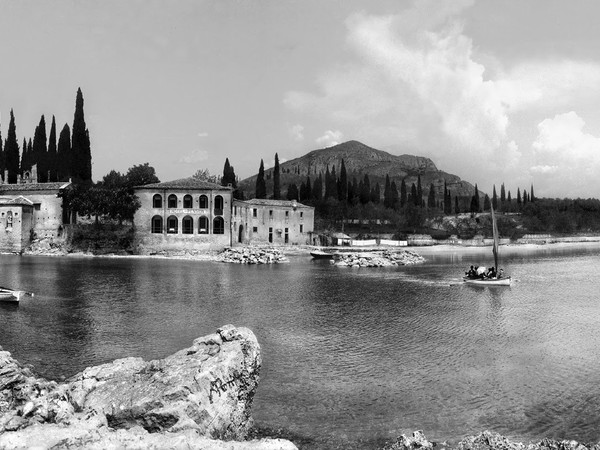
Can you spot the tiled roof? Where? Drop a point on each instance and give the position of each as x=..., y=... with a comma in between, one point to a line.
x=28, y=187
x=185, y=183
x=270, y=202
x=20, y=200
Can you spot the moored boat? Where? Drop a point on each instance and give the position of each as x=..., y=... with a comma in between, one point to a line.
x=11, y=296
x=320, y=254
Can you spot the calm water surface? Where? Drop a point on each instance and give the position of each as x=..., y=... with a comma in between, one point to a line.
x=352, y=357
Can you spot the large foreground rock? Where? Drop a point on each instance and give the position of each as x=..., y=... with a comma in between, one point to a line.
x=197, y=394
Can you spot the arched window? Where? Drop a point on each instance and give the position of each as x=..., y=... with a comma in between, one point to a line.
x=172, y=202
x=187, y=201
x=203, y=202
x=157, y=224
x=157, y=201
x=203, y=225
x=218, y=205
x=172, y=224
x=187, y=225
x=218, y=225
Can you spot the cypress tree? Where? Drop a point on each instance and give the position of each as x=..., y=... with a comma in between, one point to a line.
x=414, y=195
x=486, y=203
x=343, y=193
x=456, y=208
x=394, y=199
x=387, y=192
x=276, y=179
x=40, y=151
x=494, y=198
x=531, y=196
x=419, y=202
x=228, y=175
x=24, y=156
x=308, y=188
x=365, y=190
x=518, y=197
x=376, y=194
x=431, y=197
x=63, y=155
x=328, y=192
x=261, y=187
x=509, y=199
x=11, y=148
x=52, y=167
x=502, y=194
x=403, y=194
x=2, y=157
x=82, y=156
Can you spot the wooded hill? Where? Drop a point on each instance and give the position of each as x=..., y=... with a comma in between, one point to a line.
x=360, y=159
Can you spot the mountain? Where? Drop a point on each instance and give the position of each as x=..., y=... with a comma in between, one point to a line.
x=359, y=160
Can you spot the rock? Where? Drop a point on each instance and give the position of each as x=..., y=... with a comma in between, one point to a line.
x=252, y=255
x=199, y=393
x=378, y=259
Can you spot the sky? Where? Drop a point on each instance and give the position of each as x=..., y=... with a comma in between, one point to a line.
x=492, y=91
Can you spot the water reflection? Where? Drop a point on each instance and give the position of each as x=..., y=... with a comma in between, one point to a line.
x=352, y=357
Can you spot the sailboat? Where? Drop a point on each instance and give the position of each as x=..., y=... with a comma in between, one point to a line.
x=497, y=280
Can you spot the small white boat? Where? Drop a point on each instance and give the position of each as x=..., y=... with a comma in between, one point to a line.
x=493, y=281
x=11, y=296
x=504, y=281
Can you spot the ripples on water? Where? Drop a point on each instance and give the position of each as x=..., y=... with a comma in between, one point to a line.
x=352, y=357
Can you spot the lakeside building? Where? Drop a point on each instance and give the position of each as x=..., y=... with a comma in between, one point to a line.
x=277, y=222
x=185, y=214
x=29, y=210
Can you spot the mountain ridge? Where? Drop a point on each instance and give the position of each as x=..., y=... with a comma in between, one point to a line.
x=360, y=159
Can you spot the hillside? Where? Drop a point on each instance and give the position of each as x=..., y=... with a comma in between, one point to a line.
x=359, y=160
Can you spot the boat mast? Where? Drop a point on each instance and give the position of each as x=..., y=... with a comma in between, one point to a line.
x=495, y=235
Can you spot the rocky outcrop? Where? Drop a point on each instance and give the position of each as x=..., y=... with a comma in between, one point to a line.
x=486, y=440
x=200, y=393
x=378, y=259
x=252, y=255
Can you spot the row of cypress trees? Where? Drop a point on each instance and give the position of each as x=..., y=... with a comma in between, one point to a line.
x=69, y=157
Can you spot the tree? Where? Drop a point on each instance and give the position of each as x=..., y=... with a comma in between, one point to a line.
x=205, y=175
x=343, y=183
x=431, y=197
x=276, y=179
x=228, y=177
x=365, y=190
x=518, y=197
x=141, y=175
x=414, y=195
x=394, y=199
x=456, y=208
x=292, y=193
x=531, y=196
x=11, y=151
x=486, y=203
x=261, y=187
x=387, y=200
x=494, y=198
x=403, y=194
x=52, y=153
x=63, y=154
x=82, y=156
x=419, y=201
x=502, y=194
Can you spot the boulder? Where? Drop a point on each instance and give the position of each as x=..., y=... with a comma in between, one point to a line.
x=198, y=394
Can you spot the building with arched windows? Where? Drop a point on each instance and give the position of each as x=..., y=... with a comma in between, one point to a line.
x=186, y=214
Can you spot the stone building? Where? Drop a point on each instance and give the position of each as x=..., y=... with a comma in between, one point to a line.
x=186, y=214
x=278, y=222
x=29, y=209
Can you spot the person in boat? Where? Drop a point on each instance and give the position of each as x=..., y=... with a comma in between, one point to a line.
x=480, y=272
x=491, y=273
x=471, y=272
x=500, y=273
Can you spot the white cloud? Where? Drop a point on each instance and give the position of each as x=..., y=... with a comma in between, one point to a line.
x=330, y=138
x=570, y=156
x=297, y=132
x=195, y=157
x=203, y=134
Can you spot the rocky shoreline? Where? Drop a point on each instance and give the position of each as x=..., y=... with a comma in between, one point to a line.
x=200, y=397
x=384, y=258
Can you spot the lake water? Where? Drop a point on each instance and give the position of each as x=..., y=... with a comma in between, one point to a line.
x=351, y=357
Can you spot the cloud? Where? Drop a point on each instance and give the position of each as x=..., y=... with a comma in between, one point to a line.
x=195, y=157
x=413, y=80
x=203, y=134
x=297, y=132
x=330, y=138
x=571, y=157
